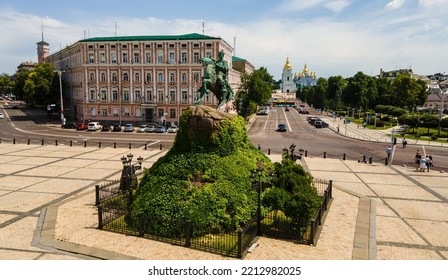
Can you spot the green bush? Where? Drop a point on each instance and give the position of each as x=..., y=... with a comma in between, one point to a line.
x=380, y=123
x=434, y=137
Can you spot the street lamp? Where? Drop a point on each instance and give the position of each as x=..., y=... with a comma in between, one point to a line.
x=291, y=149
x=60, y=91
x=128, y=179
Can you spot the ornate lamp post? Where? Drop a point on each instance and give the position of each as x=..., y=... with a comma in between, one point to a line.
x=128, y=181
x=59, y=72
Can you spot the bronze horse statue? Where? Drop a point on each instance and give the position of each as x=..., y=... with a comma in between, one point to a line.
x=215, y=80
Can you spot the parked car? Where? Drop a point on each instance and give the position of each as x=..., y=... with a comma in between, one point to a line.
x=81, y=126
x=70, y=125
x=151, y=128
x=172, y=129
x=116, y=127
x=93, y=126
x=142, y=128
x=1, y=116
x=129, y=127
x=281, y=127
x=160, y=129
x=106, y=127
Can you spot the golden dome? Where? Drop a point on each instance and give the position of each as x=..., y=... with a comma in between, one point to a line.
x=287, y=65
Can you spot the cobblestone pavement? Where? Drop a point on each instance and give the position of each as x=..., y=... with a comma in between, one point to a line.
x=378, y=212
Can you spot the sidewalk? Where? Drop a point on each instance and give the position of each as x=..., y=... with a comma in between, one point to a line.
x=378, y=212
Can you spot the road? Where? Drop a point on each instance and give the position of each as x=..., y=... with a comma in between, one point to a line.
x=26, y=125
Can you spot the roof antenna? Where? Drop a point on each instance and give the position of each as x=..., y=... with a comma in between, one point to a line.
x=42, y=26
x=203, y=27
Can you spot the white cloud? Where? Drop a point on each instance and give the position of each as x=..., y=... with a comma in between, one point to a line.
x=394, y=4
x=299, y=5
x=337, y=6
x=429, y=3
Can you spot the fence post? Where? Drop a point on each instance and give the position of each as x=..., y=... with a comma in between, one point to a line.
x=141, y=219
x=100, y=217
x=71, y=143
x=306, y=153
x=145, y=146
x=330, y=188
x=269, y=151
x=42, y=142
x=115, y=145
x=99, y=144
x=85, y=143
x=370, y=160
x=56, y=142
x=130, y=146
x=160, y=146
x=188, y=233
x=14, y=140
x=385, y=161
x=364, y=159
x=97, y=195
x=325, y=154
x=343, y=157
x=28, y=141
x=312, y=232
x=240, y=243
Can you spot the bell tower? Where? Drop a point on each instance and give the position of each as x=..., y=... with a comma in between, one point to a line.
x=288, y=85
x=43, y=49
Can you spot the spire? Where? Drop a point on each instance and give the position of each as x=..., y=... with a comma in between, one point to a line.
x=287, y=65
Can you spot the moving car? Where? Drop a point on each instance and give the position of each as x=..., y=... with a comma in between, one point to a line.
x=93, y=126
x=281, y=127
x=129, y=127
x=320, y=124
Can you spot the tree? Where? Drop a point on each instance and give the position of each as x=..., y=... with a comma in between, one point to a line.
x=42, y=85
x=407, y=92
x=336, y=86
x=255, y=90
x=317, y=98
x=360, y=91
x=384, y=88
x=6, y=85
x=20, y=78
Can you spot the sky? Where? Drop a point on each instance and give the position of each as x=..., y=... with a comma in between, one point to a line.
x=332, y=37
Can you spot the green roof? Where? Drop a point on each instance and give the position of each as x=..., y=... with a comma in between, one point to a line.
x=235, y=58
x=192, y=36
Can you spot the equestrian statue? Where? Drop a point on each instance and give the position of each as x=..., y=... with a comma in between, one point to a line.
x=216, y=80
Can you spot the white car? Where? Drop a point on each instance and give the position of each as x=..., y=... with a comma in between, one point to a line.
x=1, y=116
x=142, y=128
x=93, y=126
x=172, y=129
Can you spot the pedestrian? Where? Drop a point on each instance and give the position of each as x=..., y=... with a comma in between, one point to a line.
x=338, y=128
x=417, y=159
x=428, y=162
x=405, y=142
x=259, y=147
x=389, y=152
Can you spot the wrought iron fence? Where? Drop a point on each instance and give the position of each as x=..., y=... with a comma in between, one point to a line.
x=115, y=217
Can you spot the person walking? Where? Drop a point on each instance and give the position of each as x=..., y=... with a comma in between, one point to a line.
x=389, y=152
x=417, y=159
x=428, y=162
x=404, y=142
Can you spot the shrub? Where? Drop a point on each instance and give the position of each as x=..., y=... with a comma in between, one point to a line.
x=380, y=123
x=434, y=137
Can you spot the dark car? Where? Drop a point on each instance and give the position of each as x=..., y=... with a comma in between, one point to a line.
x=106, y=127
x=281, y=127
x=81, y=126
x=70, y=125
x=116, y=127
x=320, y=124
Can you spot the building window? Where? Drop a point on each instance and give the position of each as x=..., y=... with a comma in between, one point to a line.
x=135, y=46
x=93, y=111
x=208, y=54
x=126, y=95
x=115, y=112
x=136, y=58
x=91, y=58
x=147, y=46
x=127, y=112
x=183, y=46
x=138, y=112
x=161, y=112
x=172, y=58
x=160, y=96
x=112, y=46
x=148, y=95
x=114, y=77
x=183, y=57
x=125, y=58
x=196, y=45
x=91, y=77
x=196, y=77
x=104, y=112
x=92, y=96
x=160, y=77
x=114, y=95
x=172, y=113
x=159, y=46
x=102, y=58
x=208, y=45
x=184, y=96
x=196, y=57
x=137, y=77
x=183, y=77
x=113, y=57
x=171, y=46
x=103, y=77
x=148, y=57
x=172, y=96
x=124, y=46
x=137, y=95
x=148, y=77
x=172, y=77
x=159, y=57
x=125, y=77
x=103, y=95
